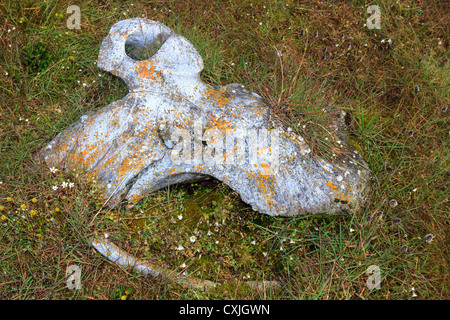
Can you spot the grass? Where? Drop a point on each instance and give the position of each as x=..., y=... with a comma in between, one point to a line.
x=307, y=60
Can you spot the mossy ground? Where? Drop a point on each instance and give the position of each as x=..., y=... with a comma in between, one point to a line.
x=207, y=232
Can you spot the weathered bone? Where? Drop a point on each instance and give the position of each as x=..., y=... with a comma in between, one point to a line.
x=172, y=128
x=133, y=146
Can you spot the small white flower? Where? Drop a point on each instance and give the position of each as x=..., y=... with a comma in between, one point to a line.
x=281, y=249
x=192, y=239
x=292, y=241
x=414, y=295
x=382, y=40
x=106, y=235
x=265, y=254
x=180, y=217
x=389, y=41
x=209, y=233
x=55, y=188
x=180, y=247
x=183, y=265
x=217, y=242
x=6, y=73
x=64, y=184
x=260, y=23
x=71, y=184
x=414, y=190
x=232, y=64
x=351, y=230
x=53, y=169
x=253, y=242
x=439, y=43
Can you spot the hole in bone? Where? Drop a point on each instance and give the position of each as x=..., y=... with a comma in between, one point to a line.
x=143, y=45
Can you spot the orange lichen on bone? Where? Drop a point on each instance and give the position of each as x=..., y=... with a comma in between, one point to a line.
x=221, y=124
x=331, y=185
x=218, y=96
x=146, y=70
x=265, y=184
x=342, y=197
